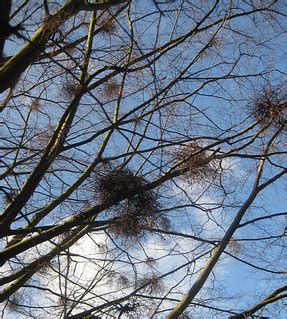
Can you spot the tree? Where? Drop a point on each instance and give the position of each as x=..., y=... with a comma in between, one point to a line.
x=143, y=158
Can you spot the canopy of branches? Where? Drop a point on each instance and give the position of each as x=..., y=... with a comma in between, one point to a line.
x=143, y=158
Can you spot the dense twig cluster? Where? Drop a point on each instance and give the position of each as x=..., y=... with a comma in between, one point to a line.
x=195, y=163
x=107, y=24
x=154, y=282
x=234, y=246
x=35, y=105
x=112, y=88
x=70, y=89
x=270, y=107
x=14, y=302
x=135, y=208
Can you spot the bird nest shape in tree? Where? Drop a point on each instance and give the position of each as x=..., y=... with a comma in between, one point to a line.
x=195, y=163
x=134, y=208
x=270, y=107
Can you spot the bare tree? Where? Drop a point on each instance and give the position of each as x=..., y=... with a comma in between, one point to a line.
x=143, y=158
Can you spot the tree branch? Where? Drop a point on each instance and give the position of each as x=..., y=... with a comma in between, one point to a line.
x=16, y=65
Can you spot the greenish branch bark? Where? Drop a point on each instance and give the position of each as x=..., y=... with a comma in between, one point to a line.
x=16, y=65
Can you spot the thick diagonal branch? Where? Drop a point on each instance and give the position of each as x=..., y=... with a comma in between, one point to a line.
x=26, y=56
x=273, y=297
